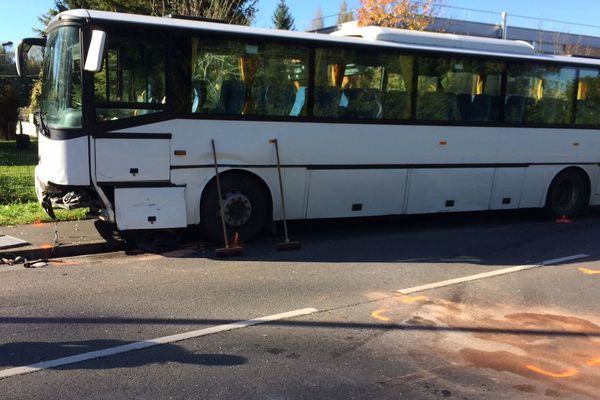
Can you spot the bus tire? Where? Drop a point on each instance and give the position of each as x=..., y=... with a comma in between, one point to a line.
x=568, y=195
x=245, y=203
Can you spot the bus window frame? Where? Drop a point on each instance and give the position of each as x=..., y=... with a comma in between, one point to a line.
x=175, y=33
x=129, y=31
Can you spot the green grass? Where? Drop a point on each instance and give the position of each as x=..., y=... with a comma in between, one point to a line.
x=16, y=184
x=18, y=202
x=10, y=156
x=29, y=213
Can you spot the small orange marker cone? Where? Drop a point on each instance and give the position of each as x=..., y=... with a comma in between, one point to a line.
x=236, y=240
x=563, y=220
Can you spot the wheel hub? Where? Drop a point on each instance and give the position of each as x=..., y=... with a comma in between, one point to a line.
x=237, y=208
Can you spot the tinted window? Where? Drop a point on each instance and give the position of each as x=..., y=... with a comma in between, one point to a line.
x=242, y=77
x=458, y=89
x=588, y=97
x=539, y=94
x=358, y=85
x=133, y=76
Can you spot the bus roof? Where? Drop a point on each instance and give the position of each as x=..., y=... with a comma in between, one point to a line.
x=350, y=34
x=422, y=38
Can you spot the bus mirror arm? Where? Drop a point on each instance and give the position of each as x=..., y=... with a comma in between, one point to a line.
x=22, y=49
x=93, y=60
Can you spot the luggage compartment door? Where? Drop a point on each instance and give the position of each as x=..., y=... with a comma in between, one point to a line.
x=133, y=159
x=150, y=207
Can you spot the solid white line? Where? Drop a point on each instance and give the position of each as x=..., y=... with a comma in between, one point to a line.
x=490, y=274
x=151, y=343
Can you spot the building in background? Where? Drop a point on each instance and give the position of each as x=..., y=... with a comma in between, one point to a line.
x=559, y=40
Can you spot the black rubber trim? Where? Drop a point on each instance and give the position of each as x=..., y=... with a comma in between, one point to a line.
x=379, y=166
x=130, y=106
x=59, y=134
x=128, y=135
x=123, y=185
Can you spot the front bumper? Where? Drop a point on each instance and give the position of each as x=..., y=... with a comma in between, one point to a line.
x=67, y=197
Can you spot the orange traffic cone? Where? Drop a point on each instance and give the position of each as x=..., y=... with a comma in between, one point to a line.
x=236, y=240
x=563, y=220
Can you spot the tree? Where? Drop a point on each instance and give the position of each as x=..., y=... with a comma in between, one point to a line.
x=406, y=14
x=9, y=109
x=9, y=93
x=317, y=21
x=231, y=11
x=282, y=19
x=344, y=15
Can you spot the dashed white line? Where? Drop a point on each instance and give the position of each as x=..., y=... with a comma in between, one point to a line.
x=484, y=275
x=151, y=343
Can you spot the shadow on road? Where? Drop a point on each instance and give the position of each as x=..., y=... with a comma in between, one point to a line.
x=486, y=238
x=27, y=353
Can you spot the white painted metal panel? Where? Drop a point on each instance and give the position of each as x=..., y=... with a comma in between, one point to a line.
x=536, y=184
x=431, y=189
x=246, y=143
x=64, y=162
x=132, y=160
x=332, y=193
x=508, y=184
x=150, y=208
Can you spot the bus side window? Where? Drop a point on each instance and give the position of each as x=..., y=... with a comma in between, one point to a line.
x=396, y=98
x=588, y=97
x=436, y=100
x=132, y=80
x=352, y=85
x=539, y=94
x=458, y=89
x=245, y=78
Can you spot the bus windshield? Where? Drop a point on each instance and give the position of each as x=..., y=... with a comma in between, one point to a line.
x=60, y=104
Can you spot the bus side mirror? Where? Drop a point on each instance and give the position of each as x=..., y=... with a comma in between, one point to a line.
x=23, y=49
x=93, y=61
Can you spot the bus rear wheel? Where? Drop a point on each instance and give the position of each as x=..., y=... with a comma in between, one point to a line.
x=568, y=195
x=245, y=208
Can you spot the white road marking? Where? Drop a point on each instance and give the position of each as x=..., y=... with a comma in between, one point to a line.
x=490, y=274
x=151, y=343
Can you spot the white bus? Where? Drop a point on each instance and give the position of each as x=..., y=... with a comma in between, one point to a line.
x=369, y=121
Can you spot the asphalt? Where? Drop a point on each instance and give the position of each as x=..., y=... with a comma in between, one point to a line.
x=62, y=239
x=528, y=335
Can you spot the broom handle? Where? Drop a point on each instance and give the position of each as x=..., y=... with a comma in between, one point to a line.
x=274, y=141
x=212, y=142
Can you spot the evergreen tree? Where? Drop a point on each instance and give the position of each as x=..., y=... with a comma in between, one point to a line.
x=282, y=19
x=344, y=15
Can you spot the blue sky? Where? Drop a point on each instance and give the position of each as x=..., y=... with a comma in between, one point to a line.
x=18, y=17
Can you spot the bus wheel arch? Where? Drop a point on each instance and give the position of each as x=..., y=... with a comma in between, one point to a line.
x=247, y=200
x=568, y=193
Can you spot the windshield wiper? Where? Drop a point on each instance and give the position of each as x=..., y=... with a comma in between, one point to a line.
x=45, y=130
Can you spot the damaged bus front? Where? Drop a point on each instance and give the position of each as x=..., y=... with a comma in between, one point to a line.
x=62, y=176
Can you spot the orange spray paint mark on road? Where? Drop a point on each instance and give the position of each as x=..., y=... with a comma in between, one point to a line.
x=565, y=374
x=588, y=271
x=377, y=315
x=593, y=362
x=57, y=263
x=411, y=299
x=45, y=246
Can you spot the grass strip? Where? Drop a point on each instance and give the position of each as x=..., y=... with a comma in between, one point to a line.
x=32, y=212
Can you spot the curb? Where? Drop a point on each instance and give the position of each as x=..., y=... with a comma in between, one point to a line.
x=69, y=250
